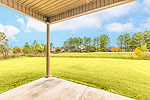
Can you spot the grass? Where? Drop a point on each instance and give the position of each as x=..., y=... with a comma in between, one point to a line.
x=117, y=55
x=95, y=55
x=126, y=77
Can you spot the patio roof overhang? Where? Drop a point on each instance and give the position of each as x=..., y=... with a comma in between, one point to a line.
x=54, y=11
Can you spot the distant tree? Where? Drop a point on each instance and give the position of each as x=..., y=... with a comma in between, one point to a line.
x=39, y=48
x=16, y=50
x=2, y=49
x=44, y=49
x=93, y=48
x=104, y=42
x=120, y=43
x=138, y=37
x=4, y=45
x=133, y=44
x=80, y=41
x=51, y=46
x=87, y=43
x=66, y=46
x=126, y=41
x=147, y=39
x=57, y=49
x=34, y=43
x=26, y=48
x=96, y=43
x=36, y=48
x=71, y=44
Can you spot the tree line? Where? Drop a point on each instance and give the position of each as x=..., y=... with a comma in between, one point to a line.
x=87, y=44
x=124, y=43
x=28, y=49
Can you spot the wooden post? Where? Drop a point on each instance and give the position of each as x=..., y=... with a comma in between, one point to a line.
x=48, y=52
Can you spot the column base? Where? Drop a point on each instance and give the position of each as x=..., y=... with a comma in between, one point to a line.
x=48, y=76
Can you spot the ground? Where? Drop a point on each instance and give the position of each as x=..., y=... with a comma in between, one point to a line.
x=126, y=77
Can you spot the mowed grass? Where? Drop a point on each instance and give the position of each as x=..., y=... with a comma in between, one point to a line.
x=118, y=55
x=126, y=77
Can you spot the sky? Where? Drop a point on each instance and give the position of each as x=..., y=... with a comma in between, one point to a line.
x=129, y=18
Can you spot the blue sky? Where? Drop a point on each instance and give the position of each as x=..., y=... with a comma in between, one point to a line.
x=128, y=18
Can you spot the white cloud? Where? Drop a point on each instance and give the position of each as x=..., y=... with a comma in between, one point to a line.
x=35, y=25
x=118, y=27
x=146, y=24
x=128, y=27
x=78, y=23
x=146, y=6
x=10, y=30
x=122, y=10
x=95, y=19
x=21, y=20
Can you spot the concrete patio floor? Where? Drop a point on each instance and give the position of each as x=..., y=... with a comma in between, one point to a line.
x=58, y=89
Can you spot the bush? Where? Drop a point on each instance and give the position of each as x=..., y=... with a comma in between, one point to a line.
x=57, y=49
x=138, y=52
x=113, y=49
x=16, y=50
x=26, y=50
x=142, y=52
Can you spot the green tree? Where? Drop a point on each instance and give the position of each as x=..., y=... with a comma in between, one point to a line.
x=138, y=37
x=126, y=41
x=87, y=43
x=4, y=45
x=71, y=44
x=36, y=48
x=66, y=46
x=120, y=43
x=26, y=48
x=57, y=49
x=147, y=39
x=80, y=41
x=51, y=46
x=104, y=42
x=16, y=50
x=44, y=48
x=133, y=44
x=96, y=43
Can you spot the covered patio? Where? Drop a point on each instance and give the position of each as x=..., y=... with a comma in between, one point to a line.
x=51, y=12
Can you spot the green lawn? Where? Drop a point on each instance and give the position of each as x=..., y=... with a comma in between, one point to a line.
x=126, y=77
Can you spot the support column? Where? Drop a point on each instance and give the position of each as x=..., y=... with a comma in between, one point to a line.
x=48, y=52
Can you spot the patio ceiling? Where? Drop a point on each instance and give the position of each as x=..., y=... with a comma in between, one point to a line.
x=54, y=11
